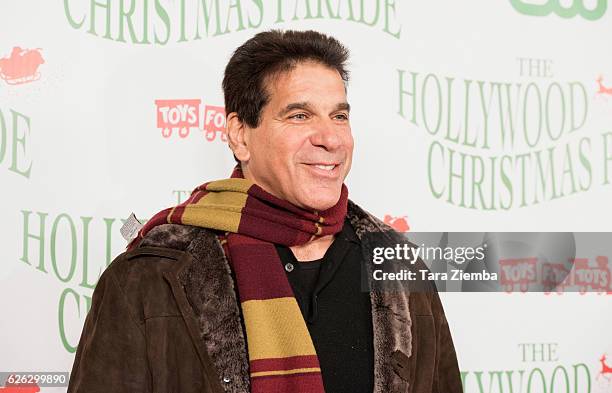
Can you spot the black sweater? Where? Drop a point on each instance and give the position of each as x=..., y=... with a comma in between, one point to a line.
x=337, y=313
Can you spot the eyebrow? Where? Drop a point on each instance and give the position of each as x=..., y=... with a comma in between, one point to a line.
x=306, y=106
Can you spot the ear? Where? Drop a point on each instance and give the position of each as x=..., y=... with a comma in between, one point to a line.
x=236, y=130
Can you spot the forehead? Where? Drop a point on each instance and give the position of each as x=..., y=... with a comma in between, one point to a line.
x=307, y=82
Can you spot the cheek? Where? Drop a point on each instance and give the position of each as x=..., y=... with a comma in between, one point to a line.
x=293, y=147
x=349, y=142
x=264, y=147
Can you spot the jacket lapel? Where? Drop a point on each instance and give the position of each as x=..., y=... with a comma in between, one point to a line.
x=390, y=315
x=204, y=291
x=192, y=327
x=209, y=286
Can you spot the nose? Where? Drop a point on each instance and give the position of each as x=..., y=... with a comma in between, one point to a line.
x=326, y=135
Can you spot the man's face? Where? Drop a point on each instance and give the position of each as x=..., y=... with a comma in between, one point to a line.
x=302, y=149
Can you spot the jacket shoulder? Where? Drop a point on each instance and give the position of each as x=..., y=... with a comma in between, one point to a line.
x=139, y=274
x=165, y=244
x=162, y=247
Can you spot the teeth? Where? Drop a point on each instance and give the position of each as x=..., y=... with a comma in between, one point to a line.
x=325, y=167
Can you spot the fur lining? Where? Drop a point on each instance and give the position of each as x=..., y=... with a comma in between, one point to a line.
x=210, y=290
x=390, y=313
x=173, y=236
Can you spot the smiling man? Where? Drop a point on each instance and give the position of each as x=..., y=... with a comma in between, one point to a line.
x=254, y=283
x=300, y=148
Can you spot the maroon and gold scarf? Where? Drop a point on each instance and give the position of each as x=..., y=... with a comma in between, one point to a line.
x=282, y=357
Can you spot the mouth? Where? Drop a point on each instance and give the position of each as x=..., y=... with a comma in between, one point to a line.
x=325, y=169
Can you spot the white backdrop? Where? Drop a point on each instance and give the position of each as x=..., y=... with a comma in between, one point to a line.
x=467, y=116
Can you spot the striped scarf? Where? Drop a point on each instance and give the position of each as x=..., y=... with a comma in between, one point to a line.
x=282, y=357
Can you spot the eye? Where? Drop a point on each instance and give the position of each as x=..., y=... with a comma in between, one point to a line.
x=341, y=116
x=299, y=116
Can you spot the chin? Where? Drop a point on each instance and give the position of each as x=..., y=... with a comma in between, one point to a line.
x=322, y=202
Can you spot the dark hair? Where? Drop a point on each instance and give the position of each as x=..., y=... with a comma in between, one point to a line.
x=267, y=54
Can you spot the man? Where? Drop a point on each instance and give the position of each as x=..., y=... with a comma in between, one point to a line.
x=254, y=283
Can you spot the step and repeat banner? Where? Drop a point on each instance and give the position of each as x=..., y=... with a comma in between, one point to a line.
x=484, y=115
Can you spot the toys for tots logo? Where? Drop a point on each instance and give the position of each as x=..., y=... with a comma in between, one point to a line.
x=182, y=116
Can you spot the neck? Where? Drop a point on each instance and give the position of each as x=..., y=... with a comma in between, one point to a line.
x=313, y=250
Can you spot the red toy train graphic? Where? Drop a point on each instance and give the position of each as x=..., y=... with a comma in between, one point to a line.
x=21, y=66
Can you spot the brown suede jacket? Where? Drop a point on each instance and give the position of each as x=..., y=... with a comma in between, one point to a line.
x=165, y=318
